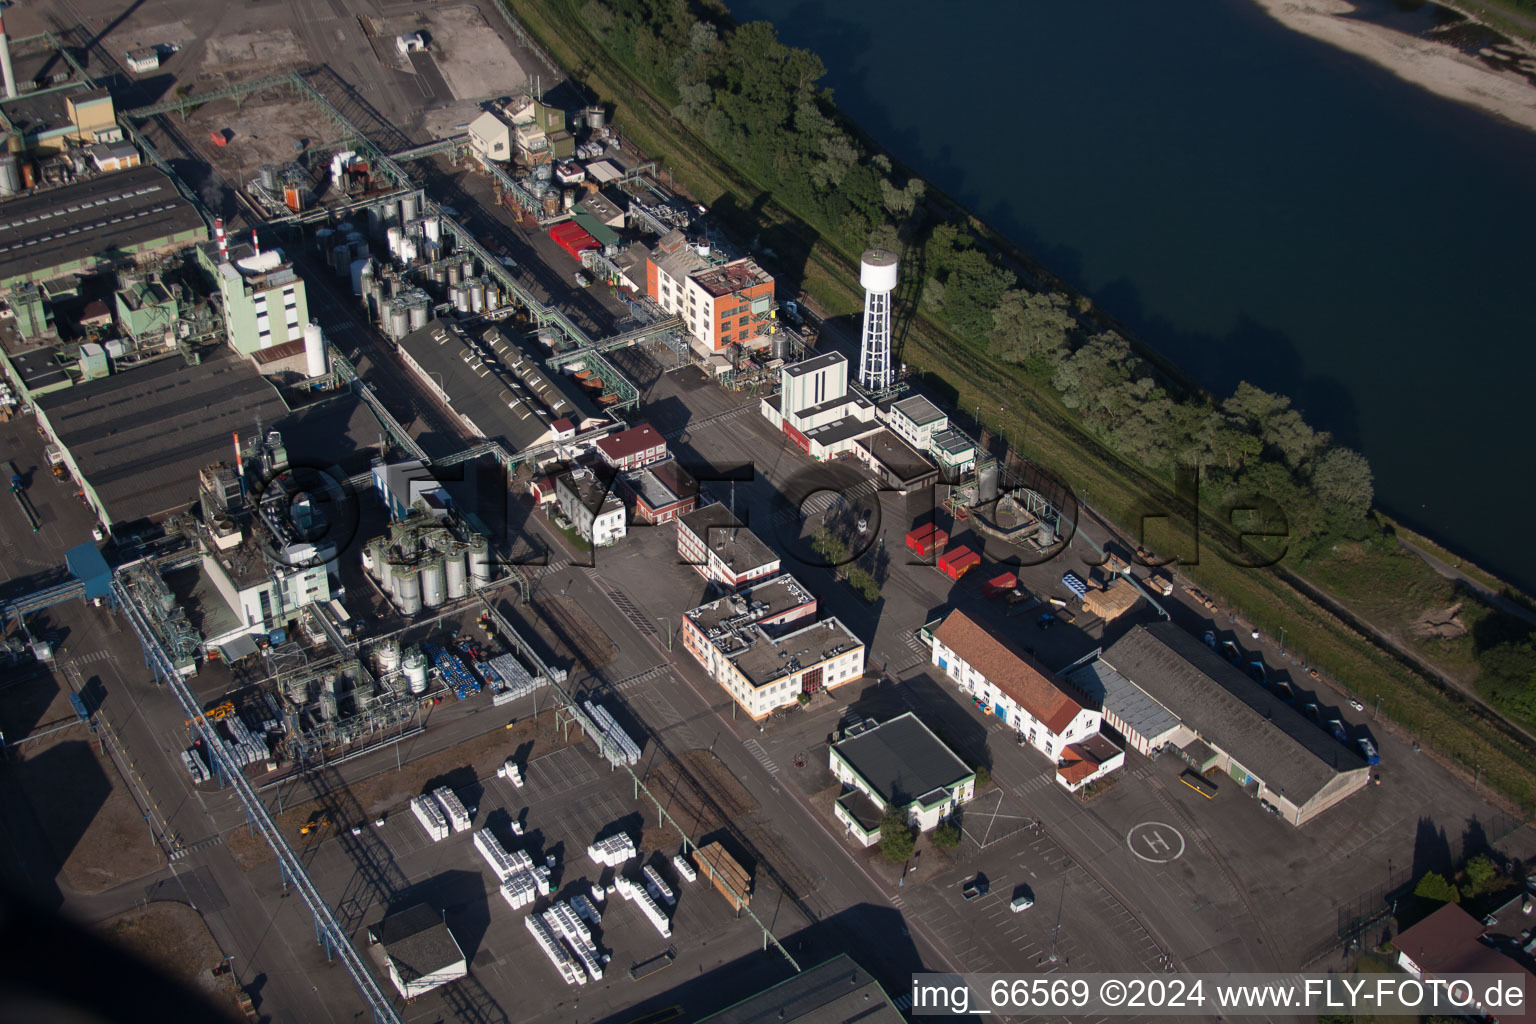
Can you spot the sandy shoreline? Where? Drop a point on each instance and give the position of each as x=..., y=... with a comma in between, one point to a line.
x=1434, y=66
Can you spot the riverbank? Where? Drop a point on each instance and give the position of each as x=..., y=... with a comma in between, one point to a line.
x=1436, y=66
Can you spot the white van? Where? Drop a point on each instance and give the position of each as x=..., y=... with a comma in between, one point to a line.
x=1021, y=904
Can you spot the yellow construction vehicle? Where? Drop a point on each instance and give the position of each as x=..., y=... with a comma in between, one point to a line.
x=316, y=822
x=217, y=713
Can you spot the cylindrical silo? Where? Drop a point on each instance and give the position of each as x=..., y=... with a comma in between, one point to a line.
x=415, y=666
x=597, y=117
x=268, y=175
x=479, y=561
x=477, y=297
x=323, y=240
x=375, y=223
x=393, y=237
x=314, y=351
x=419, y=313
x=386, y=573
x=455, y=575
x=408, y=250
x=408, y=589
x=453, y=274
x=355, y=270
x=399, y=320
x=408, y=208
x=433, y=228
x=433, y=586
x=341, y=259
x=467, y=269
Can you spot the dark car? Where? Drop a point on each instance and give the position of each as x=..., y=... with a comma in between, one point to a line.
x=975, y=888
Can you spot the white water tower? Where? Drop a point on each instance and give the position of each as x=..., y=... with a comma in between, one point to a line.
x=877, y=273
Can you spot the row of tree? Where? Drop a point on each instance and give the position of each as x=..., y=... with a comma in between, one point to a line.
x=759, y=103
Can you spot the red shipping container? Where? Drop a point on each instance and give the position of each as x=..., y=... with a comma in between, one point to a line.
x=570, y=236
x=958, y=562
x=927, y=540
x=999, y=584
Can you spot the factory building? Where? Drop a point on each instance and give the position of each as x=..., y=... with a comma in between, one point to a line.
x=263, y=297
x=762, y=648
x=262, y=594
x=484, y=393
x=594, y=510
x=82, y=227
x=146, y=308
x=926, y=427
x=896, y=465
x=491, y=136
x=136, y=441
x=660, y=492
x=896, y=765
x=1226, y=722
x=1001, y=679
x=47, y=121
x=637, y=446
x=721, y=549
x=402, y=485
x=427, y=560
x=832, y=992
x=815, y=409
x=418, y=950
x=722, y=305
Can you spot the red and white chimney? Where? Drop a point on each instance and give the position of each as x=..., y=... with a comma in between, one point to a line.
x=218, y=233
x=255, y=242
x=239, y=462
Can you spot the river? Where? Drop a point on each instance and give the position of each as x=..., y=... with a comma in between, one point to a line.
x=1254, y=203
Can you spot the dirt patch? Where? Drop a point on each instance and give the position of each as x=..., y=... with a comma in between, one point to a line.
x=271, y=50
x=389, y=792
x=670, y=784
x=91, y=821
x=173, y=937
x=472, y=58
x=259, y=132
x=1444, y=624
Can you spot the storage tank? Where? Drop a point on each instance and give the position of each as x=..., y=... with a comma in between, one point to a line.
x=375, y=223
x=551, y=205
x=477, y=298
x=479, y=561
x=408, y=589
x=323, y=240
x=781, y=347
x=298, y=690
x=268, y=175
x=986, y=482
x=568, y=200
x=597, y=118
x=341, y=259
x=408, y=209
x=314, y=351
x=408, y=250
x=461, y=300
x=387, y=657
x=399, y=320
x=356, y=272
x=433, y=228
x=376, y=303
x=415, y=666
x=433, y=585
x=455, y=575
x=453, y=274
x=466, y=270
x=419, y=312
x=386, y=573
x=10, y=175
x=393, y=237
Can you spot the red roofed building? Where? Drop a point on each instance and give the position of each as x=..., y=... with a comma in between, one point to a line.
x=1449, y=943
x=638, y=446
x=1011, y=685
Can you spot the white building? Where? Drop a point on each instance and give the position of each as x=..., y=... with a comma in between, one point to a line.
x=1006, y=682
x=815, y=409
x=491, y=136
x=262, y=595
x=900, y=764
x=720, y=548
x=418, y=950
x=595, y=511
x=763, y=667
x=917, y=421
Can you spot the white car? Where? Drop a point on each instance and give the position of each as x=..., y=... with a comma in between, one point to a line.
x=1021, y=904
x=1356, y=704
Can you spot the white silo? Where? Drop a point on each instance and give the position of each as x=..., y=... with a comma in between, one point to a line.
x=415, y=665
x=457, y=578
x=387, y=657
x=877, y=273
x=314, y=351
x=432, y=583
x=393, y=237
x=479, y=561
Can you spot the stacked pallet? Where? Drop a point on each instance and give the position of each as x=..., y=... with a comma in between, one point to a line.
x=458, y=817
x=244, y=746
x=511, y=772
x=568, y=968
x=563, y=921
x=194, y=763
x=647, y=904
x=503, y=865
x=583, y=906
x=613, y=851
x=729, y=877
x=508, y=679
x=430, y=814
x=684, y=869
x=657, y=886
x=618, y=740
x=520, y=889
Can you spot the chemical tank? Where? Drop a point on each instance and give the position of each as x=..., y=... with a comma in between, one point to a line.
x=399, y=321
x=387, y=574
x=408, y=250
x=453, y=274
x=10, y=175
x=477, y=297
x=597, y=118
x=415, y=666
x=268, y=175
x=393, y=238
x=479, y=561
x=433, y=590
x=466, y=270
x=408, y=589
x=461, y=300
x=375, y=223
x=781, y=347
x=323, y=240
x=298, y=691
x=408, y=209
x=457, y=577
x=986, y=482
x=419, y=313
x=386, y=657
x=433, y=228
x=314, y=351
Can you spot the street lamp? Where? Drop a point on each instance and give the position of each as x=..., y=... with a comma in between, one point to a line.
x=662, y=618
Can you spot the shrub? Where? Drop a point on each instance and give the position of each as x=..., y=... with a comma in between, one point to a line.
x=946, y=837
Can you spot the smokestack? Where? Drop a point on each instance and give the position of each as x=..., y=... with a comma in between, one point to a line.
x=255, y=242
x=239, y=463
x=218, y=232
x=5, y=62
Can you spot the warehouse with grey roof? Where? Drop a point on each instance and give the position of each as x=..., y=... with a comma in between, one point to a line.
x=1262, y=743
